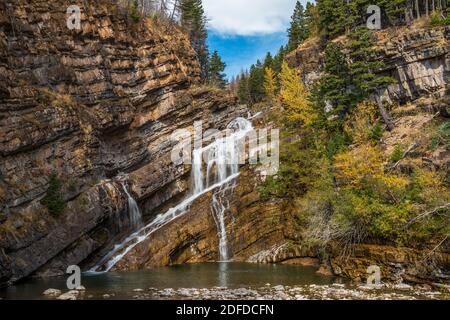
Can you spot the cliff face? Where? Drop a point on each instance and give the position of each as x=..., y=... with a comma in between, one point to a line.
x=89, y=105
x=419, y=61
x=251, y=227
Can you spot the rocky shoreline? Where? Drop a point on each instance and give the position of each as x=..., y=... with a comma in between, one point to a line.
x=335, y=291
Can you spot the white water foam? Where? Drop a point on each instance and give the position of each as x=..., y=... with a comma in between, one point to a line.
x=222, y=158
x=134, y=213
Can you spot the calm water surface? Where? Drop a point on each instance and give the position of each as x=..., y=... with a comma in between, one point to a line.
x=209, y=275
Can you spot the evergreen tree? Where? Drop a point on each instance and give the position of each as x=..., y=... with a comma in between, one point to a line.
x=348, y=80
x=394, y=10
x=216, y=75
x=243, y=90
x=356, y=13
x=193, y=20
x=363, y=64
x=234, y=83
x=333, y=17
x=311, y=19
x=298, y=31
x=363, y=68
x=256, y=82
x=278, y=59
x=54, y=200
x=268, y=61
x=134, y=11
x=331, y=94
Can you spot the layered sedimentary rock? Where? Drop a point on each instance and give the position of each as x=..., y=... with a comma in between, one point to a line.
x=252, y=226
x=96, y=106
x=418, y=60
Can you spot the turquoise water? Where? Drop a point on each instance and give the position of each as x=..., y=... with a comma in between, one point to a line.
x=208, y=275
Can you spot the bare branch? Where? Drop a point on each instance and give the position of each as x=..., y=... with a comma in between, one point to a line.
x=427, y=214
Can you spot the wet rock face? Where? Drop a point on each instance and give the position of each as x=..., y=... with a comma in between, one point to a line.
x=89, y=104
x=418, y=61
x=252, y=226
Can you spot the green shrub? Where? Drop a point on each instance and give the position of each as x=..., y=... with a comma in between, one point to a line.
x=444, y=132
x=376, y=133
x=398, y=153
x=446, y=21
x=436, y=20
x=442, y=136
x=134, y=13
x=338, y=143
x=54, y=200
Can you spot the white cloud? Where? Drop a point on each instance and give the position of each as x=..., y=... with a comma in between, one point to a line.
x=248, y=17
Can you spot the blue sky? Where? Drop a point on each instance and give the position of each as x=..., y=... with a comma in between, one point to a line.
x=245, y=30
x=239, y=52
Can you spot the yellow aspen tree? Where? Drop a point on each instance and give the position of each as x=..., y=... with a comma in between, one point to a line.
x=294, y=97
x=270, y=83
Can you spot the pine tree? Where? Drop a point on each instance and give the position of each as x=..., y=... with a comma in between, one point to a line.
x=268, y=61
x=333, y=17
x=331, y=94
x=243, y=90
x=278, y=59
x=363, y=67
x=348, y=80
x=193, y=20
x=134, y=11
x=256, y=82
x=216, y=75
x=298, y=31
x=357, y=11
x=54, y=200
x=363, y=64
x=234, y=82
x=270, y=84
x=394, y=10
x=294, y=97
x=311, y=19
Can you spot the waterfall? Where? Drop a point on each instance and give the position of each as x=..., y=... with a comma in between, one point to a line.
x=134, y=213
x=197, y=171
x=222, y=167
x=219, y=206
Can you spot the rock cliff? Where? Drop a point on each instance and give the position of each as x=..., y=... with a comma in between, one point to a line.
x=252, y=227
x=96, y=106
x=417, y=59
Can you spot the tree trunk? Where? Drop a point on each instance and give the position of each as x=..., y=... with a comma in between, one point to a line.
x=426, y=8
x=385, y=114
x=417, y=9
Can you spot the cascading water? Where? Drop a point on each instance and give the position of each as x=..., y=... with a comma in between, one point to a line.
x=222, y=159
x=134, y=213
x=219, y=206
